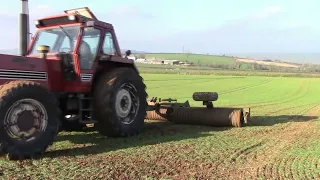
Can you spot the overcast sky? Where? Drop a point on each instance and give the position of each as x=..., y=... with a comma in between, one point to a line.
x=202, y=26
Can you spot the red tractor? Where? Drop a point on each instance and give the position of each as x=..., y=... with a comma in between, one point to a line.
x=72, y=70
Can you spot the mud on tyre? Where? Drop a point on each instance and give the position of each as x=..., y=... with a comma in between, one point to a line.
x=119, y=103
x=29, y=119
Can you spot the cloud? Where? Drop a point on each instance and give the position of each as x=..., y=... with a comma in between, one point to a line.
x=34, y=11
x=130, y=11
x=43, y=10
x=6, y=13
x=262, y=14
x=248, y=25
x=131, y=22
x=123, y=17
x=261, y=31
x=268, y=12
x=11, y=21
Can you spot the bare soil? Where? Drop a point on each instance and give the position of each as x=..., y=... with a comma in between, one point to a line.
x=282, y=64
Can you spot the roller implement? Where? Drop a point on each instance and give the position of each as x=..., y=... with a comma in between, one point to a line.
x=72, y=74
x=183, y=113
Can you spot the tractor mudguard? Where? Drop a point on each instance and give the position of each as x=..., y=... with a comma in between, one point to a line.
x=119, y=60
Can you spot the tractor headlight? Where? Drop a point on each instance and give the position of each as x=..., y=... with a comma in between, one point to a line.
x=36, y=22
x=71, y=18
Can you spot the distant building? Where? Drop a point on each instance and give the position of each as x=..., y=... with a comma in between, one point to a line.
x=140, y=60
x=175, y=62
x=171, y=62
x=132, y=57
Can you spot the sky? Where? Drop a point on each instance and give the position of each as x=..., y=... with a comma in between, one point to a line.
x=202, y=26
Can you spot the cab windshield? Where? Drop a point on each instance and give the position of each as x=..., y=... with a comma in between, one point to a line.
x=59, y=39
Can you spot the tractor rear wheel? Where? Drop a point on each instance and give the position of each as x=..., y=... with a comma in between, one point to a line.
x=119, y=103
x=29, y=119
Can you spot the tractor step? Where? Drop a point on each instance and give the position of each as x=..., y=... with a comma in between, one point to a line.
x=85, y=110
x=87, y=121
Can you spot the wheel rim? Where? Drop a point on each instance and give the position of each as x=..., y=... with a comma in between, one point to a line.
x=127, y=103
x=26, y=120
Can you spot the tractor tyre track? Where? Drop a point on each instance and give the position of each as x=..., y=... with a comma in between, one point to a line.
x=287, y=108
x=240, y=88
x=243, y=152
x=274, y=101
x=262, y=159
x=290, y=165
x=175, y=85
x=207, y=80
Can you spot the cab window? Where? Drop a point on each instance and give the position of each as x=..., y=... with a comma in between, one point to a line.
x=108, y=44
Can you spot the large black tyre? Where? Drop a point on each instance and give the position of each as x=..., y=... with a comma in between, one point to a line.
x=112, y=120
x=27, y=104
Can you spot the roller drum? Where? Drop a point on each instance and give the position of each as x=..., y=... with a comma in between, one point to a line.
x=218, y=117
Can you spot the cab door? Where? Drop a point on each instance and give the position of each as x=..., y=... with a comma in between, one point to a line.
x=88, y=52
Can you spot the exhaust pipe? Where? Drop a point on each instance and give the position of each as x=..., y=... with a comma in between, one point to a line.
x=24, y=27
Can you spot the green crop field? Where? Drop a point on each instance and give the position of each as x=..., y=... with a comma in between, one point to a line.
x=195, y=58
x=282, y=140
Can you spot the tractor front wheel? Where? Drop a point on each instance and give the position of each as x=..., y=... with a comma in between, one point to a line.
x=29, y=119
x=120, y=103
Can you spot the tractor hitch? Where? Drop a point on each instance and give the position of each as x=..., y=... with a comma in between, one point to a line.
x=159, y=109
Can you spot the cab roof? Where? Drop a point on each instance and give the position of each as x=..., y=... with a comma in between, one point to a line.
x=78, y=15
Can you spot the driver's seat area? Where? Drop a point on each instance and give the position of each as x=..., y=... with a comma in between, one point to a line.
x=85, y=55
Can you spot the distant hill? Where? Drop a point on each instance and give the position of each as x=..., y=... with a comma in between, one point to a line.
x=287, y=57
x=216, y=60
x=299, y=58
x=201, y=59
x=16, y=51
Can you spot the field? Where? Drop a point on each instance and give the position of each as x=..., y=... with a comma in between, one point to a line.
x=282, y=141
x=194, y=58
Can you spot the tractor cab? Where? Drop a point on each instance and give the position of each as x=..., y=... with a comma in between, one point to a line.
x=73, y=39
x=79, y=40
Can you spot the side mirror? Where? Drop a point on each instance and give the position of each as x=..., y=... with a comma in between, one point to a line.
x=128, y=53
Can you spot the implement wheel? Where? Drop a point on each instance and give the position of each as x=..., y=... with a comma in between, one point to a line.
x=205, y=96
